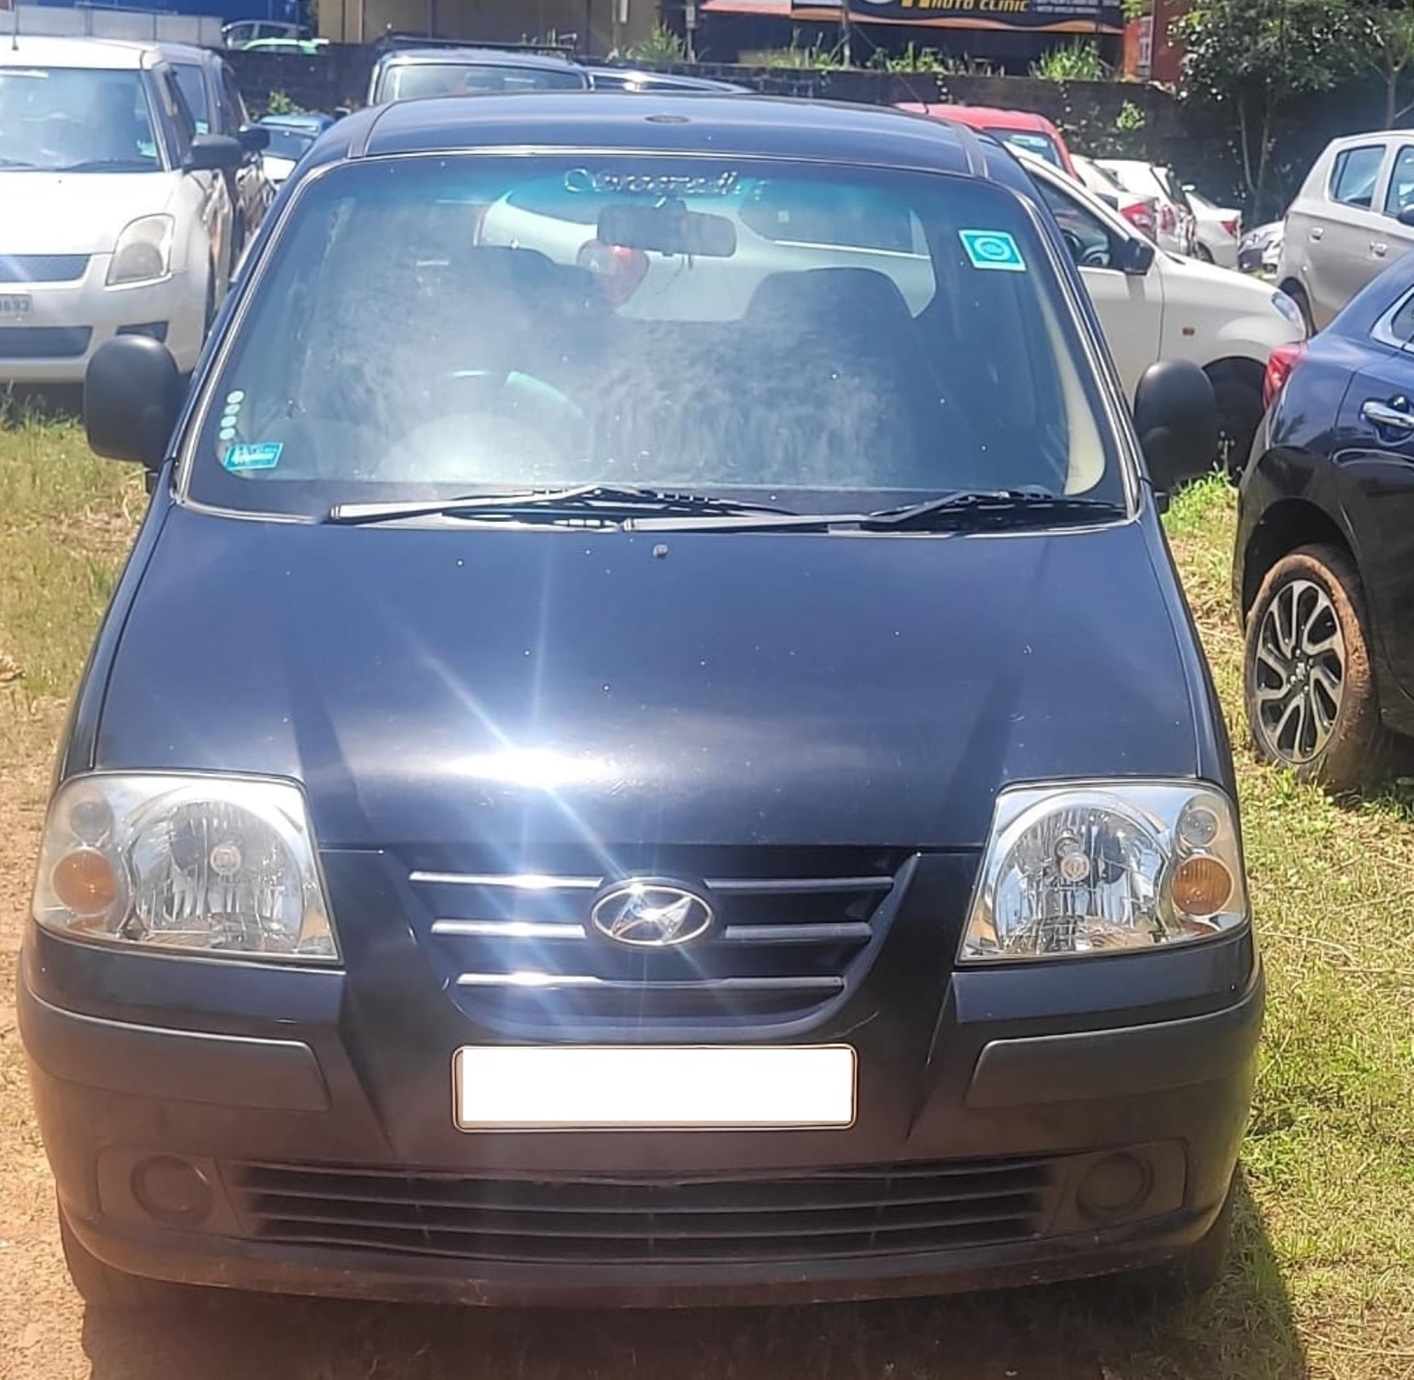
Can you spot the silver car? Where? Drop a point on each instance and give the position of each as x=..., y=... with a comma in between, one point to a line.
x=1353, y=217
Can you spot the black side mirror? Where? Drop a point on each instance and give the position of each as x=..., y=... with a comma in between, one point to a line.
x=254, y=138
x=1176, y=416
x=1406, y=215
x=1135, y=257
x=132, y=396
x=215, y=153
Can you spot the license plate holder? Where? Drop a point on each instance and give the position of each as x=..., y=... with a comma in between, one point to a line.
x=653, y=1088
x=15, y=306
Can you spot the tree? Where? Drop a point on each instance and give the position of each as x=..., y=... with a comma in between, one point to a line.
x=1390, y=53
x=1255, y=58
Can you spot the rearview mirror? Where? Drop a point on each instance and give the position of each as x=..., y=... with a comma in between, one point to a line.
x=1176, y=416
x=1135, y=256
x=254, y=138
x=214, y=153
x=132, y=396
x=668, y=229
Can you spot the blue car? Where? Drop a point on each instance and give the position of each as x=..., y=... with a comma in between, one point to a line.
x=638, y=787
x=1320, y=575
x=290, y=138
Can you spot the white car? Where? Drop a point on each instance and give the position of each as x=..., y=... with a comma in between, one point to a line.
x=114, y=214
x=1176, y=228
x=1219, y=230
x=1154, y=305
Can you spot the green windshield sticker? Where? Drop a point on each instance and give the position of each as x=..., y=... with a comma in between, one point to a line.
x=992, y=249
x=244, y=456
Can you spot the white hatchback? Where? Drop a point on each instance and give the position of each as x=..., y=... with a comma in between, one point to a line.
x=114, y=214
x=1154, y=305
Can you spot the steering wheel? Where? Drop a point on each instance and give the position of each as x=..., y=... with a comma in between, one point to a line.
x=498, y=390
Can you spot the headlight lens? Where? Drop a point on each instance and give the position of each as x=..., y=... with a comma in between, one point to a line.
x=1105, y=868
x=190, y=863
x=1290, y=310
x=143, y=251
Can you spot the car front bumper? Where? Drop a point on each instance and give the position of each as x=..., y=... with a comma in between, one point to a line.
x=62, y=324
x=227, y=1124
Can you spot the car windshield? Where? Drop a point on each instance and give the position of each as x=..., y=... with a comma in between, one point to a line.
x=1033, y=141
x=289, y=143
x=74, y=119
x=806, y=335
x=413, y=81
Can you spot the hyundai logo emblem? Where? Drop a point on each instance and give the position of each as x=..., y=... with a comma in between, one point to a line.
x=651, y=914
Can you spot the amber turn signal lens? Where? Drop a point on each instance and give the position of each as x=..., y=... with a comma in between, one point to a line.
x=85, y=882
x=1201, y=886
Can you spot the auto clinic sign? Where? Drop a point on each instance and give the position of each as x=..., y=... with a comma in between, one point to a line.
x=1034, y=16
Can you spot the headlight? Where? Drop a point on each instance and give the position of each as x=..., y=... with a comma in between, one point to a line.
x=1105, y=868
x=190, y=863
x=143, y=251
x=1290, y=310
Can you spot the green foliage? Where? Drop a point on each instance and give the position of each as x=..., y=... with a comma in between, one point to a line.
x=1135, y=9
x=1390, y=52
x=280, y=104
x=814, y=56
x=1130, y=119
x=661, y=46
x=1078, y=61
x=914, y=58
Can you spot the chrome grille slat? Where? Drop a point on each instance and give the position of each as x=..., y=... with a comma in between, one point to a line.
x=792, y=929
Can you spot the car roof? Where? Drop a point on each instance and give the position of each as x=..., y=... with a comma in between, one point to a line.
x=186, y=52
x=307, y=119
x=484, y=57
x=983, y=114
x=729, y=126
x=112, y=55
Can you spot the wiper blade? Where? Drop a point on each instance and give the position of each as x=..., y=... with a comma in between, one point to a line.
x=109, y=165
x=601, y=503
x=969, y=507
x=1006, y=506
x=16, y=163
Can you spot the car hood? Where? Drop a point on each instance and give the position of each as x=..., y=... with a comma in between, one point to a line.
x=76, y=213
x=436, y=686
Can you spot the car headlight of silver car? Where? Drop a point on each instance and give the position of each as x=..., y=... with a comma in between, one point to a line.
x=143, y=252
x=206, y=864
x=1103, y=868
x=1288, y=308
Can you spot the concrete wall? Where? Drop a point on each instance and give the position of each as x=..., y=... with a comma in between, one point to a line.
x=95, y=22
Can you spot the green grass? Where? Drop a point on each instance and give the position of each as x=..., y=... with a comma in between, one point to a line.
x=1321, y=1281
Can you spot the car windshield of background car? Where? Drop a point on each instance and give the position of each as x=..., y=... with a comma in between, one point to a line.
x=69, y=119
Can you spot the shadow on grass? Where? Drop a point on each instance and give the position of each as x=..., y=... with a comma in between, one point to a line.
x=1243, y=1330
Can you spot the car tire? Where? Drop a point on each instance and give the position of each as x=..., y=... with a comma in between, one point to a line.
x=99, y=1285
x=1238, y=393
x=1202, y=253
x=1315, y=712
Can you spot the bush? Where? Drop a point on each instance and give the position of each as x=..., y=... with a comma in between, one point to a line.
x=1079, y=61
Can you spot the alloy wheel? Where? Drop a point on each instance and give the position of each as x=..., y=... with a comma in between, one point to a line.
x=1299, y=672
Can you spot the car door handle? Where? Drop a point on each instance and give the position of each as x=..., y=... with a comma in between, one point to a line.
x=1379, y=248
x=1388, y=415
x=1317, y=232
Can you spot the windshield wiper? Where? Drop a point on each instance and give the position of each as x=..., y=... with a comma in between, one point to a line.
x=593, y=503
x=16, y=163
x=972, y=508
x=1004, y=507
x=109, y=165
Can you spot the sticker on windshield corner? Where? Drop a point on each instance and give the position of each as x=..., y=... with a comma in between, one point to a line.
x=244, y=456
x=992, y=249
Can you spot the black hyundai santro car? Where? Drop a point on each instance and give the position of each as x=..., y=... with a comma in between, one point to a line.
x=649, y=748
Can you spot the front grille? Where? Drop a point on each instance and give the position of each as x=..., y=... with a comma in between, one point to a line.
x=43, y=342
x=794, y=932
x=841, y=1213
x=42, y=268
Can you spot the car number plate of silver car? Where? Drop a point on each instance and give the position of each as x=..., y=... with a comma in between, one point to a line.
x=14, y=306
x=666, y=1088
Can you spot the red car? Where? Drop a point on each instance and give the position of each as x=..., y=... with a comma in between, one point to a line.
x=1023, y=128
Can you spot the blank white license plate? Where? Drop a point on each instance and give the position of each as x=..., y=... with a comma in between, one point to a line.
x=13, y=307
x=543, y=1088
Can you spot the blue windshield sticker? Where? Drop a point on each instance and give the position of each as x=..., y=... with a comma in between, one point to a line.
x=992, y=249
x=245, y=456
